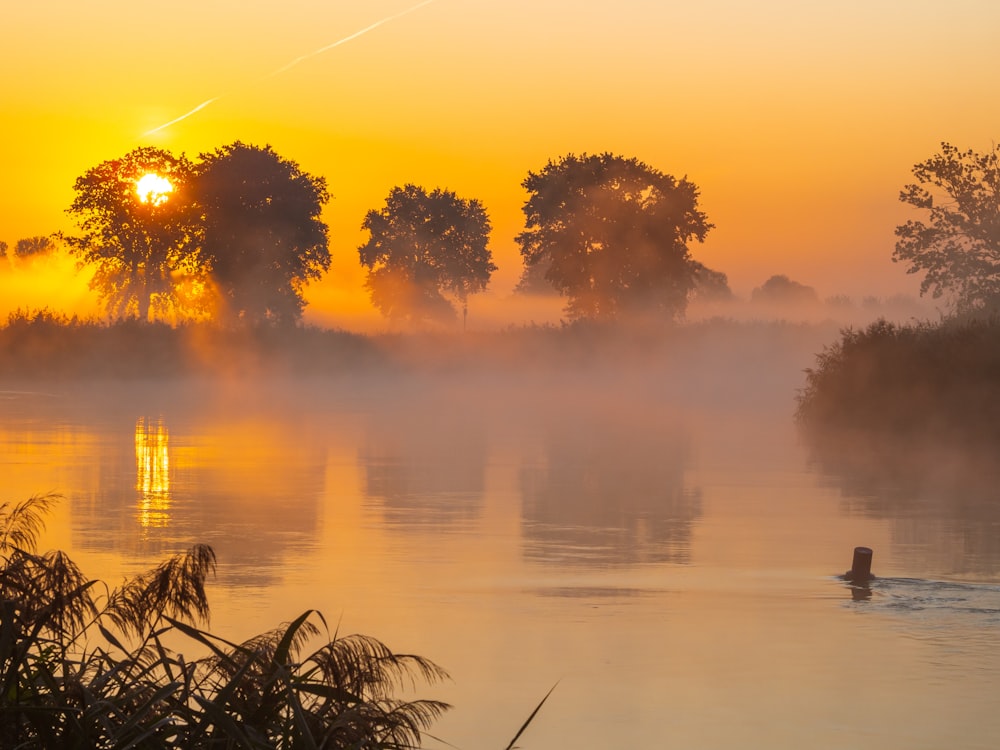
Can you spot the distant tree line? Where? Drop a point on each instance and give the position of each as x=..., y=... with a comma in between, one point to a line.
x=28, y=246
x=235, y=235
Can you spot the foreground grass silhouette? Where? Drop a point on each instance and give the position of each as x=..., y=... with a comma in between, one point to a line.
x=85, y=666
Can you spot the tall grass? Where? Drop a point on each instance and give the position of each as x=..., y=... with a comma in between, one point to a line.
x=83, y=665
x=42, y=344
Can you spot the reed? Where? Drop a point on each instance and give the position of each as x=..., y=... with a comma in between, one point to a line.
x=83, y=665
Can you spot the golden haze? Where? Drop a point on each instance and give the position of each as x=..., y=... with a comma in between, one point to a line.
x=800, y=123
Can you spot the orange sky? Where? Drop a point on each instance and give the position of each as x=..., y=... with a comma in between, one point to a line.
x=799, y=123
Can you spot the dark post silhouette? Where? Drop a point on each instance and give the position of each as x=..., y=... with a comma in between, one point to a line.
x=861, y=565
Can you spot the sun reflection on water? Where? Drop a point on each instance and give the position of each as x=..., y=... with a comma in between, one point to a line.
x=152, y=467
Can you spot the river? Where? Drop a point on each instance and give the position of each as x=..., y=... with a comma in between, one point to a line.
x=663, y=551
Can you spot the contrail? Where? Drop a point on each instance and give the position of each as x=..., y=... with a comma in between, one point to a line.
x=297, y=60
x=346, y=39
x=182, y=117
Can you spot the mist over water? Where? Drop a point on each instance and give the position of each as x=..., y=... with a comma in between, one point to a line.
x=631, y=513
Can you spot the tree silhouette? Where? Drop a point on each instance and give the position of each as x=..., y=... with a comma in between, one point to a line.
x=959, y=248
x=142, y=247
x=86, y=669
x=38, y=245
x=710, y=285
x=779, y=289
x=534, y=280
x=263, y=237
x=424, y=247
x=614, y=234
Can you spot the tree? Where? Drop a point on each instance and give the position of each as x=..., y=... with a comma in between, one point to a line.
x=781, y=290
x=263, y=236
x=614, y=232
x=710, y=285
x=34, y=246
x=958, y=249
x=424, y=247
x=534, y=280
x=140, y=231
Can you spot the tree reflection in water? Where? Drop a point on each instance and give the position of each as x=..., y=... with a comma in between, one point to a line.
x=424, y=467
x=609, y=491
x=942, y=497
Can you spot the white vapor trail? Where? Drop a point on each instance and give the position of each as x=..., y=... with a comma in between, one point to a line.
x=346, y=39
x=182, y=117
x=297, y=60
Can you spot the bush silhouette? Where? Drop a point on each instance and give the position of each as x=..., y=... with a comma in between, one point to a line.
x=83, y=666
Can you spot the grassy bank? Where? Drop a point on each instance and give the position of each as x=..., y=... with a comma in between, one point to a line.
x=47, y=346
x=44, y=345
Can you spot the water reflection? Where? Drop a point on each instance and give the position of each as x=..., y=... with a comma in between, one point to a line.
x=609, y=490
x=424, y=468
x=860, y=592
x=151, y=472
x=943, y=500
x=249, y=486
x=152, y=469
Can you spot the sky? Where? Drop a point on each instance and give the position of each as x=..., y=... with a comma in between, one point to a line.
x=799, y=121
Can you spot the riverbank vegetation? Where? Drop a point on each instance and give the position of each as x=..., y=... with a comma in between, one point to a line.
x=84, y=665
x=54, y=347
x=923, y=380
x=42, y=346
x=927, y=381
x=904, y=420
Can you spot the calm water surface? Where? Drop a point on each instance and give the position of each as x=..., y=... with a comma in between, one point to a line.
x=668, y=558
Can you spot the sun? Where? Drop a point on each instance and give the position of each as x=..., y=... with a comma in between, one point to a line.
x=153, y=189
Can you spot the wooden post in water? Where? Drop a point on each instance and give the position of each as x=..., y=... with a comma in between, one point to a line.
x=861, y=565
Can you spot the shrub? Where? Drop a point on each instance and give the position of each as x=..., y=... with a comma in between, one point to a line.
x=922, y=378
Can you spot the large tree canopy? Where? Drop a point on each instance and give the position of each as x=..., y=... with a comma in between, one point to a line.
x=238, y=232
x=140, y=237
x=614, y=233
x=425, y=247
x=263, y=237
x=958, y=248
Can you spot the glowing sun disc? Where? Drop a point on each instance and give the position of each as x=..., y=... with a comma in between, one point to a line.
x=153, y=188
